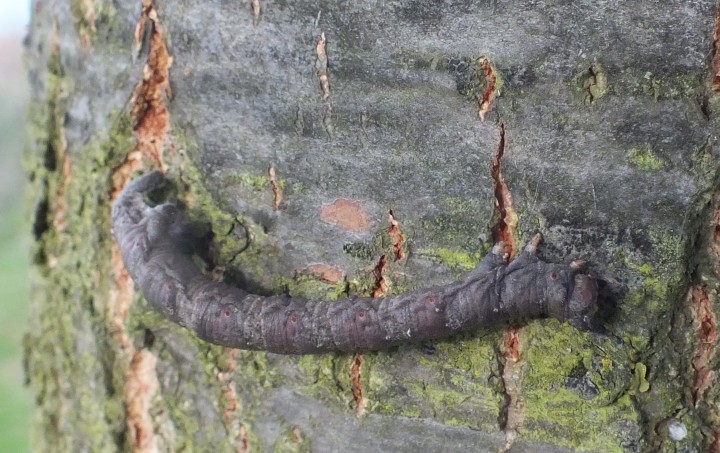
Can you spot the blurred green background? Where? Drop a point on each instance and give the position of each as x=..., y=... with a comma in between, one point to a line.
x=15, y=397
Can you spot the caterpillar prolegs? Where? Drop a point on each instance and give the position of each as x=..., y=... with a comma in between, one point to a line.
x=497, y=291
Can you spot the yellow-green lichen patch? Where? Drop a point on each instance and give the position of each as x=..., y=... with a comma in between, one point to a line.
x=68, y=304
x=452, y=258
x=665, y=86
x=582, y=410
x=292, y=440
x=46, y=132
x=74, y=375
x=362, y=285
x=670, y=256
x=453, y=382
x=328, y=377
x=643, y=158
x=256, y=182
x=704, y=161
x=654, y=284
x=298, y=188
x=592, y=83
x=640, y=383
x=309, y=286
x=646, y=301
x=457, y=229
x=597, y=83
x=196, y=375
x=247, y=185
x=67, y=383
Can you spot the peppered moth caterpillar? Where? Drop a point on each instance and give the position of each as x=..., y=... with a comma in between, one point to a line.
x=497, y=291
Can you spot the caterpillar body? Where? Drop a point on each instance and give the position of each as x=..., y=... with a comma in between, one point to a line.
x=151, y=243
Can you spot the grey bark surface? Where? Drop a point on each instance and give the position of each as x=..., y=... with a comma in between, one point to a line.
x=610, y=132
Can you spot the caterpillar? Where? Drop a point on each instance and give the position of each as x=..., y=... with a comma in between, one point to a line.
x=153, y=244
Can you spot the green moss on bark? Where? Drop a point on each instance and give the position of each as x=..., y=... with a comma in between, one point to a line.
x=68, y=307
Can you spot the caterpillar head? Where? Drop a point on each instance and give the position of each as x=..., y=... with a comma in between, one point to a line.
x=582, y=302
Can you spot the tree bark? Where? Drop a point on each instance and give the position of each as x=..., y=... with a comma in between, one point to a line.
x=373, y=148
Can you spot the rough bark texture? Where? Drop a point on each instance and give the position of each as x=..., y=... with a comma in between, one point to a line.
x=345, y=148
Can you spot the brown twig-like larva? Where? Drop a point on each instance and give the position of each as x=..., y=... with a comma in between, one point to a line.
x=151, y=243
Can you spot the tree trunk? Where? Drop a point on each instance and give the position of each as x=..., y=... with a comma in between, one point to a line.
x=380, y=120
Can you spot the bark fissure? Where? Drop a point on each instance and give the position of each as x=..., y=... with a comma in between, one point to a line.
x=231, y=402
x=397, y=237
x=513, y=372
x=716, y=55
x=141, y=387
x=488, y=95
x=505, y=229
x=149, y=100
x=151, y=125
x=380, y=287
x=276, y=189
x=505, y=232
x=357, y=388
x=257, y=10
x=707, y=335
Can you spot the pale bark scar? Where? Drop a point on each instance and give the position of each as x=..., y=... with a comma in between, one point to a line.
x=346, y=214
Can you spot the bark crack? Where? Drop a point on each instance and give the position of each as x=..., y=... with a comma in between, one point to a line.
x=61, y=205
x=505, y=229
x=380, y=288
x=149, y=101
x=397, y=237
x=512, y=375
x=257, y=10
x=357, y=388
x=231, y=404
x=702, y=301
x=277, y=190
x=488, y=96
x=152, y=123
x=596, y=83
x=141, y=385
x=716, y=55
x=706, y=330
x=321, y=65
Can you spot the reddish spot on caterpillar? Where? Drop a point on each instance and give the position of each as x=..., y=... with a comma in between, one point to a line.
x=227, y=313
x=431, y=300
x=293, y=318
x=361, y=313
x=554, y=276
